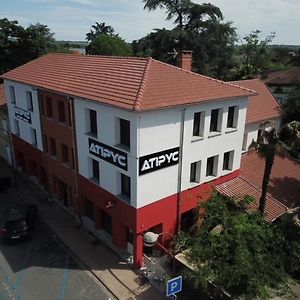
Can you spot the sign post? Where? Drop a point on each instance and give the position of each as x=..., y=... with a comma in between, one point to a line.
x=174, y=286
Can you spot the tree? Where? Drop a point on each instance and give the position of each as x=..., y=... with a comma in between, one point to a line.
x=292, y=104
x=239, y=252
x=99, y=29
x=255, y=54
x=290, y=135
x=108, y=45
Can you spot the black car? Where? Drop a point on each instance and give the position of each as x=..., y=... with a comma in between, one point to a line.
x=19, y=222
x=5, y=183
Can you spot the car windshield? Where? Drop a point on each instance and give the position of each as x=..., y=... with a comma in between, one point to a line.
x=14, y=224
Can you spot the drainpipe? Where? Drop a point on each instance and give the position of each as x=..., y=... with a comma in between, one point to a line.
x=179, y=181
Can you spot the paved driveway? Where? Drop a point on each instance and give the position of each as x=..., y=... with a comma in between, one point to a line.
x=43, y=269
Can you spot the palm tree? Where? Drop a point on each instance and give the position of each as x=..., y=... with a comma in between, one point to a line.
x=99, y=28
x=267, y=146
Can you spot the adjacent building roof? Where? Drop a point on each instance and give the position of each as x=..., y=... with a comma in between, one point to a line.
x=263, y=106
x=288, y=77
x=2, y=97
x=127, y=82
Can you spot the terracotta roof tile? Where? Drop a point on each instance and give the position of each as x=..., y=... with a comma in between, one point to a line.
x=263, y=106
x=127, y=82
x=238, y=187
x=285, y=177
x=2, y=97
x=288, y=77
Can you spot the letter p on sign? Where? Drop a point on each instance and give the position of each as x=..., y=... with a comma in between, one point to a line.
x=174, y=286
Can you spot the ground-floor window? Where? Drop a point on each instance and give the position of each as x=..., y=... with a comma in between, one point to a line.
x=106, y=222
x=89, y=209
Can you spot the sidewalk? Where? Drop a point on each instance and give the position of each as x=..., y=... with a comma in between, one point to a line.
x=117, y=275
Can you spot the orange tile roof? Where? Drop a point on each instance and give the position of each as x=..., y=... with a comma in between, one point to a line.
x=287, y=77
x=127, y=82
x=238, y=187
x=2, y=97
x=285, y=177
x=263, y=106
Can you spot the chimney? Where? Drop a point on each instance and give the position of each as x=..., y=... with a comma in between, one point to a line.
x=186, y=60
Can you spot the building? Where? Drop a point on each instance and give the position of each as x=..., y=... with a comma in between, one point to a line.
x=282, y=83
x=128, y=144
x=262, y=107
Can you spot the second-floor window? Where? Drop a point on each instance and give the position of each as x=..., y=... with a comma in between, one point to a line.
x=12, y=94
x=195, y=171
x=198, y=125
x=93, y=129
x=33, y=137
x=95, y=170
x=61, y=111
x=29, y=100
x=65, y=153
x=125, y=133
x=49, y=111
x=17, y=127
x=52, y=147
x=215, y=120
x=125, y=186
x=232, y=117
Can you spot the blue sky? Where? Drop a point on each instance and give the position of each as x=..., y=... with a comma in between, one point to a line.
x=72, y=19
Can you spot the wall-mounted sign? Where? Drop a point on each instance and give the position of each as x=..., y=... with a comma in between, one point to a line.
x=22, y=114
x=158, y=160
x=109, y=154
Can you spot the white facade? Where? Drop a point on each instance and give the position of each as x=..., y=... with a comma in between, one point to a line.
x=157, y=131
x=251, y=131
x=24, y=115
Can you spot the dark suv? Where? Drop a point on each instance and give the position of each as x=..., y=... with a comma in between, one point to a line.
x=19, y=222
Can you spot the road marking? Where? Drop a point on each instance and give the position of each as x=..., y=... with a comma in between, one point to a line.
x=65, y=279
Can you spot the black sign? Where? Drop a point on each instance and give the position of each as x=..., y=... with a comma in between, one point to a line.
x=158, y=160
x=22, y=114
x=109, y=154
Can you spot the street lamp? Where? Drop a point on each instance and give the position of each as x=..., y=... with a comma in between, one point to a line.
x=9, y=140
x=150, y=239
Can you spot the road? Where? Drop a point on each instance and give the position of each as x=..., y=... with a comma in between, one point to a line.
x=43, y=269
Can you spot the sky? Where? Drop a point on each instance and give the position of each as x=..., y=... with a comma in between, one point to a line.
x=72, y=19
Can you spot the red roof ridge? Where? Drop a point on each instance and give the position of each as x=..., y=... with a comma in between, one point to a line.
x=141, y=88
x=254, y=93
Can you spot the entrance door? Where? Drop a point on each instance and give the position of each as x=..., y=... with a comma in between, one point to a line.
x=106, y=222
x=63, y=192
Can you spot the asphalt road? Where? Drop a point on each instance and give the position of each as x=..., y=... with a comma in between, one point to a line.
x=43, y=269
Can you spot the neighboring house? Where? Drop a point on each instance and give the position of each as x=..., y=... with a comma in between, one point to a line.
x=282, y=82
x=105, y=136
x=284, y=186
x=5, y=142
x=262, y=107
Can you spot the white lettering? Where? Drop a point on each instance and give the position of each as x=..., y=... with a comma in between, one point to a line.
x=122, y=160
x=145, y=166
x=161, y=159
x=169, y=157
x=93, y=149
x=114, y=156
x=106, y=153
x=175, y=156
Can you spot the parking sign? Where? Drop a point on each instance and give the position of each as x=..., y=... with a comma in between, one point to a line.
x=174, y=286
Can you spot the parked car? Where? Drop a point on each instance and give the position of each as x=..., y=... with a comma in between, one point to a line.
x=19, y=222
x=5, y=183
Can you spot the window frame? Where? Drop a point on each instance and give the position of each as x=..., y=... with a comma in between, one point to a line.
x=232, y=116
x=229, y=160
x=198, y=124
x=17, y=127
x=33, y=136
x=124, y=131
x=49, y=107
x=65, y=154
x=125, y=186
x=61, y=112
x=215, y=123
x=53, y=150
x=195, y=171
x=12, y=94
x=211, y=171
x=29, y=100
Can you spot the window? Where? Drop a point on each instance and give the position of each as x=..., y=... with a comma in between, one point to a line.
x=198, y=126
x=228, y=160
x=93, y=122
x=42, y=105
x=125, y=186
x=52, y=147
x=212, y=166
x=259, y=133
x=89, y=209
x=17, y=127
x=61, y=111
x=12, y=94
x=232, y=117
x=125, y=133
x=65, y=153
x=95, y=172
x=49, y=107
x=46, y=143
x=33, y=137
x=29, y=100
x=215, y=120
x=195, y=171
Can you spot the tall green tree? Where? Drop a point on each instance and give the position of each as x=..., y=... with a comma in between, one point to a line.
x=292, y=104
x=99, y=29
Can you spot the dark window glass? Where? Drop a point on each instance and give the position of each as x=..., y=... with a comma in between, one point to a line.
x=125, y=133
x=61, y=111
x=259, y=133
x=106, y=222
x=214, y=120
x=65, y=153
x=196, y=126
x=29, y=100
x=230, y=119
x=93, y=122
x=49, y=107
x=95, y=166
x=125, y=185
x=52, y=147
x=89, y=209
x=226, y=160
x=210, y=166
x=42, y=105
x=12, y=94
x=193, y=172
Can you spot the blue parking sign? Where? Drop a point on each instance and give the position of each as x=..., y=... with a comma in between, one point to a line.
x=174, y=286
